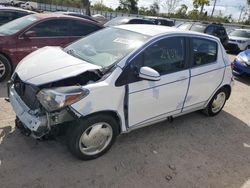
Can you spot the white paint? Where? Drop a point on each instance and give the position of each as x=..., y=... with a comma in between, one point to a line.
x=148, y=101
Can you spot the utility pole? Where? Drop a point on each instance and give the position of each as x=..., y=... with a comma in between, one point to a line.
x=213, y=8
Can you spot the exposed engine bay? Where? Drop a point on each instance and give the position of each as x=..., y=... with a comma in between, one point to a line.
x=44, y=119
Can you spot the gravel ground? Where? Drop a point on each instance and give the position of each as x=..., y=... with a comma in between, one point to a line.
x=193, y=151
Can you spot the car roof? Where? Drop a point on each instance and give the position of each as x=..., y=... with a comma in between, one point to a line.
x=56, y=15
x=16, y=9
x=130, y=18
x=154, y=30
x=248, y=30
x=158, y=18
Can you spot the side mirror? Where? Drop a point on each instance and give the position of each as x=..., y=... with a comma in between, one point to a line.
x=148, y=73
x=29, y=34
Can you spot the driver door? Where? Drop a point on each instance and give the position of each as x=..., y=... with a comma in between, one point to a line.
x=150, y=101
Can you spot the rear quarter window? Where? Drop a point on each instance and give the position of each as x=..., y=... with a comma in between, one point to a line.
x=204, y=51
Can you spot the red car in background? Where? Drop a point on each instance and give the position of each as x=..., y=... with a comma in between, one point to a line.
x=22, y=36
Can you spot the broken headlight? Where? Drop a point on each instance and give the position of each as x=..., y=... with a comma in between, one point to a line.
x=57, y=98
x=242, y=60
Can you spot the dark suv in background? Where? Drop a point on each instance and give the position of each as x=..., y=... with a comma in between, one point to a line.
x=214, y=29
x=161, y=21
x=128, y=20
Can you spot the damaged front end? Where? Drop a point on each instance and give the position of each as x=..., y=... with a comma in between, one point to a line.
x=43, y=109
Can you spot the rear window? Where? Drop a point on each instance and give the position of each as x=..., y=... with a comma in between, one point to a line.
x=6, y=16
x=116, y=21
x=139, y=21
x=198, y=28
x=185, y=26
x=205, y=51
x=240, y=33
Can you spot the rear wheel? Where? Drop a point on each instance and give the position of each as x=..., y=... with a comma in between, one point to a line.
x=217, y=103
x=5, y=67
x=92, y=137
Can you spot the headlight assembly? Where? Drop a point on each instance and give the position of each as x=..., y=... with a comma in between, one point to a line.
x=241, y=59
x=60, y=97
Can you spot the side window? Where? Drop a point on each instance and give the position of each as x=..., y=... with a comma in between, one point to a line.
x=52, y=28
x=135, y=21
x=130, y=73
x=210, y=30
x=79, y=28
x=166, y=56
x=221, y=31
x=205, y=51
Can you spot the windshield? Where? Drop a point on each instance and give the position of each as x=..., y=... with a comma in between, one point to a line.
x=106, y=47
x=17, y=25
x=198, y=28
x=240, y=33
x=116, y=21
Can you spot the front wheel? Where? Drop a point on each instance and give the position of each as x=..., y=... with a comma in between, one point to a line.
x=217, y=103
x=92, y=137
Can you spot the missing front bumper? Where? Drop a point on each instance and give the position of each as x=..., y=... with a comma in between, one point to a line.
x=31, y=123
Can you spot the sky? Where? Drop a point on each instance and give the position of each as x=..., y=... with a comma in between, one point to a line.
x=226, y=7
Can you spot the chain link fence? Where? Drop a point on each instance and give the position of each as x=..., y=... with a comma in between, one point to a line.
x=110, y=15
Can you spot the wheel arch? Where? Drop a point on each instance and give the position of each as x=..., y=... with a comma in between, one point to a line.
x=9, y=59
x=229, y=90
x=111, y=113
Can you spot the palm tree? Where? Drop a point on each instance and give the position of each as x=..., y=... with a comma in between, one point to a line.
x=201, y=3
x=86, y=5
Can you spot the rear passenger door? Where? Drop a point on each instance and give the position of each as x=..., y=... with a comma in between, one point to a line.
x=207, y=70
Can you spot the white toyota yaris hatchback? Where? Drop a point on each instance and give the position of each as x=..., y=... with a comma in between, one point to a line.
x=116, y=80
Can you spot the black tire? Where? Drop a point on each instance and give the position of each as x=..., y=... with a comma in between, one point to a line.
x=76, y=130
x=208, y=110
x=6, y=65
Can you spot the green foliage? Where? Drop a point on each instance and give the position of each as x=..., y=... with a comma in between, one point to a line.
x=130, y=6
x=200, y=3
x=100, y=6
x=182, y=11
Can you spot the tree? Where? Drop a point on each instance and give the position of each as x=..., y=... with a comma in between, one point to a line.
x=86, y=5
x=182, y=11
x=154, y=8
x=170, y=5
x=200, y=3
x=130, y=6
x=100, y=6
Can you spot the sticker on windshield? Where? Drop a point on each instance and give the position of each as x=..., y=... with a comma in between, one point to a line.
x=123, y=41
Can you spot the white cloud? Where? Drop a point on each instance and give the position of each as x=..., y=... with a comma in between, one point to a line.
x=226, y=6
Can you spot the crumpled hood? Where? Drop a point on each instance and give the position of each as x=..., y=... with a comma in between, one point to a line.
x=50, y=64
